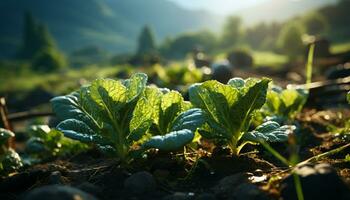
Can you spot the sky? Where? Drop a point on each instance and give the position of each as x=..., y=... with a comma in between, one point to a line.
x=218, y=6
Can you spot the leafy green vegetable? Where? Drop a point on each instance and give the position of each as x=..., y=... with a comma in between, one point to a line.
x=118, y=115
x=270, y=132
x=176, y=75
x=171, y=141
x=45, y=143
x=5, y=135
x=102, y=114
x=284, y=104
x=174, y=122
x=9, y=159
x=230, y=108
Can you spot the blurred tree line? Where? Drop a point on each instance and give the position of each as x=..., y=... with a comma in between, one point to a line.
x=39, y=47
x=40, y=50
x=331, y=22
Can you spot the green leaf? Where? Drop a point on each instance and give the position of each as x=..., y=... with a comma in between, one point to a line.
x=170, y=107
x=5, y=135
x=229, y=108
x=46, y=143
x=135, y=85
x=110, y=96
x=236, y=82
x=10, y=161
x=190, y=119
x=35, y=145
x=110, y=113
x=167, y=106
x=285, y=103
x=153, y=96
x=170, y=142
x=241, y=112
x=215, y=99
x=269, y=132
x=348, y=97
x=68, y=107
x=169, y=113
x=78, y=130
x=142, y=119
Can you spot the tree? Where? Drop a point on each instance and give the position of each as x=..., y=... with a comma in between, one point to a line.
x=48, y=60
x=180, y=46
x=232, y=32
x=30, y=44
x=315, y=24
x=290, y=40
x=40, y=47
x=35, y=38
x=146, y=43
x=262, y=35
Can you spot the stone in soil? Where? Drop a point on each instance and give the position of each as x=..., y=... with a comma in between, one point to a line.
x=55, y=178
x=206, y=196
x=319, y=182
x=248, y=191
x=237, y=187
x=228, y=184
x=179, y=196
x=57, y=192
x=91, y=189
x=140, y=183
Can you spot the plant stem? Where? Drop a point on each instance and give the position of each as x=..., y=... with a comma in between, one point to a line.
x=309, y=65
x=326, y=154
x=275, y=153
x=298, y=187
x=233, y=146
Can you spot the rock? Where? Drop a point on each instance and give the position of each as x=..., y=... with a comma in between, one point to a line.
x=179, y=196
x=248, y=191
x=161, y=174
x=22, y=181
x=55, y=178
x=91, y=189
x=221, y=72
x=228, y=184
x=340, y=71
x=140, y=183
x=319, y=182
x=206, y=196
x=56, y=192
x=240, y=59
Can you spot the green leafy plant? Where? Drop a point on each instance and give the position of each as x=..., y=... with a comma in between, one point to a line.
x=9, y=159
x=46, y=143
x=102, y=114
x=174, y=122
x=116, y=117
x=282, y=105
x=177, y=75
x=229, y=110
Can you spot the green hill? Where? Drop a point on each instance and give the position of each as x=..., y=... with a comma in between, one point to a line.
x=280, y=10
x=110, y=24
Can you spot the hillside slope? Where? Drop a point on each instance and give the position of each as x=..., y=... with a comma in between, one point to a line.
x=280, y=10
x=110, y=24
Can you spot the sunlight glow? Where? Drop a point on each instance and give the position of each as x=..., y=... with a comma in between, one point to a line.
x=218, y=6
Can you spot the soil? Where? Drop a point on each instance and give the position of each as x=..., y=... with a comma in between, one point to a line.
x=194, y=173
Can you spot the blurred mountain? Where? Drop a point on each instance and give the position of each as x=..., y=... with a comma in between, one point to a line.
x=279, y=10
x=111, y=24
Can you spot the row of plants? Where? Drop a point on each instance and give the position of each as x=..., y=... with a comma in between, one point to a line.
x=126, y=118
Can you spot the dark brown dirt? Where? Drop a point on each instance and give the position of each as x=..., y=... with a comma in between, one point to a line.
x=197, y=172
